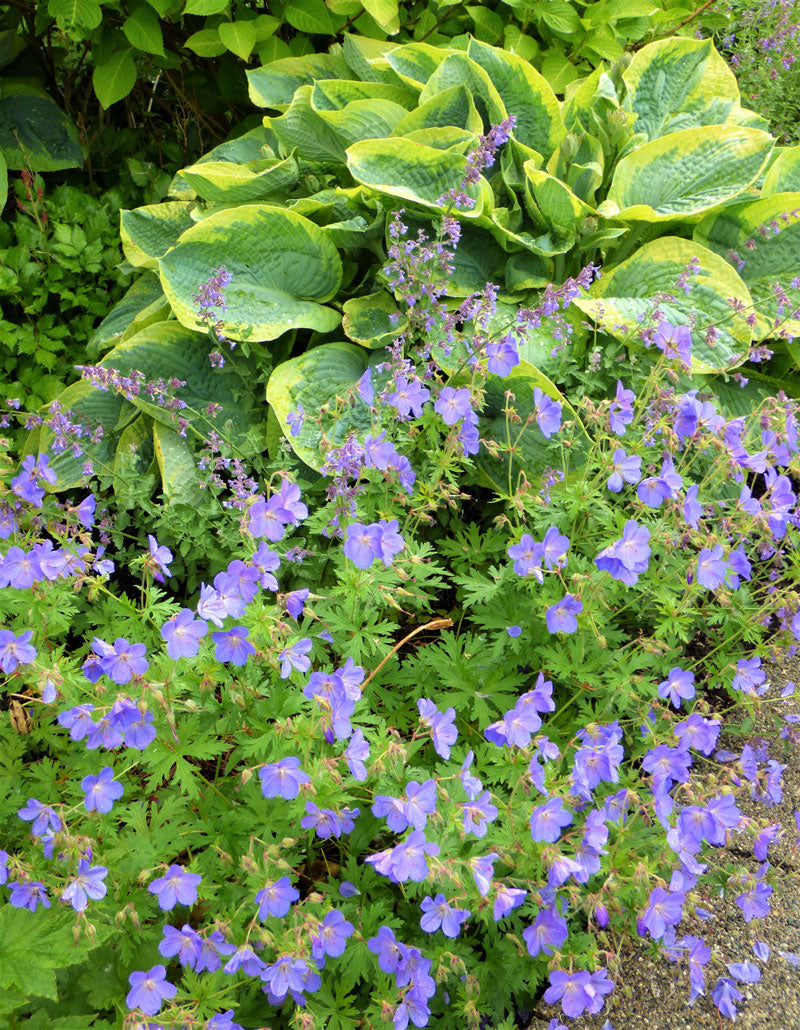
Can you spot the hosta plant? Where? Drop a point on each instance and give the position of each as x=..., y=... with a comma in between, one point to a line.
x=645, y=169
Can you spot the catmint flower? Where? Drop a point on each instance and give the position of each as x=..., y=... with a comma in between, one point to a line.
x=183, y=634
x=548, y=413
x=175, y=887
x=149, y=990
x=233, y=646
x=678, y=686
x=101, y=791
x=282, y=779
x=561, y=617
x=15, y=650
x=437, y=914
x=88, y=883
x=276, y=898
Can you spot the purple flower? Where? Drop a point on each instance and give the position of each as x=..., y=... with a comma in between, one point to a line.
x=409, y=396
x=294, y=657
x=554, y=549
x=15, y=650
x=267, y=562
x=561, y=617
x=678, y=686
x=212, y=605
x=453, y=405
x=620, y=414
x=482, y=868
x=578, y=992
x=276, y=898
x=282, y=779
x=185, y=943
x=362, y=544
x=387, y=948
x=324, y=821
x=667, y=764
x=233, y=646
x=183, y=634
x=160, y=557
x=29, y=894
x=101, y=791
x=711, y=568
x=408, y=860
x=175, y=887
x=330, y=936
x=20, y=569
x=527, y=557
x=663, y=909
x=88, y=883
x=547, y=934
x=287, y=974
x=503, y=356
x=477, y=813
x=125, y=661
x=437, y=914
x=548, y=413
x=548, y=820
x=443, y=731
x=295, y=419
x=749, y=675
x=42, y=816
x=754, y=903
x=357, y=753
x=295, y=601
x=699, y=733
x=675, y=341
x=626, y=469
x=506, y=899
x=692, y=508
x=725, y=996
x=149, y=990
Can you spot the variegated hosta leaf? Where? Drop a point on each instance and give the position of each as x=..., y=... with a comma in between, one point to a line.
x=414, y=172
x=686, y=173
x=301, y=127
x=34, y=132
x=231, y=182
x=451, y=107
x=784, y=174
x=679, y=83
x=458, y=70
x=168, y=350
x=134, y=468
x=145, y=297
x=525, y=93
x=284, y=268
x=552, y=205
x=148, y=232
x=275, y=84
x=414, y=63
x=621, y=301
x=762, y=239
x=315, y=379
x=335, y=94
x=364, y=119
x=177, y=463
x=372, y=320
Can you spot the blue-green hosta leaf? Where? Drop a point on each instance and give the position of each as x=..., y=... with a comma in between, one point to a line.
x=276, y=83
x=91, y=408
x=621, y=301
x=168, y=350
x=315, y=379
x=364, y=119
x=679, y=83
x=257, y=144
x=34, y=131
x=372, y=320
x=459, y=70
x=784, y=174
x=451, y=107
x=525, y=93
x=446, y=137
x=552, y=204
x=144, y=294
x=414, y=172
x=762, y=239
x=177, y=463
x=148, y=232
x=366, y=59
x=686, y=173
x=229, y=182
x=284, y=269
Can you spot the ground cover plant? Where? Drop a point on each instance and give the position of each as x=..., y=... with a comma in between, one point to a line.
x=420, y=751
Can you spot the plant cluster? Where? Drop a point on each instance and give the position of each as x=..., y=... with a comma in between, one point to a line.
x=330, y=787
